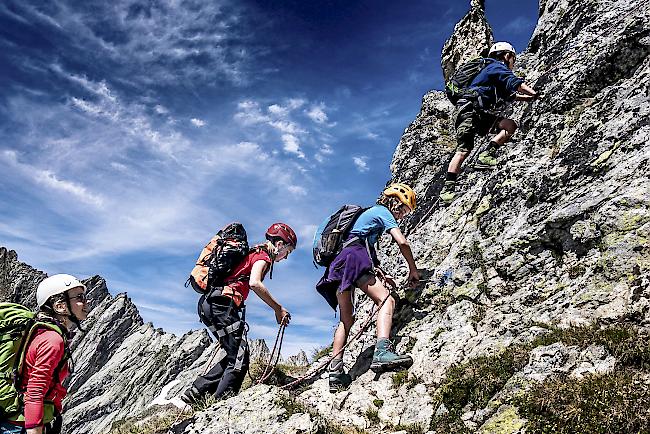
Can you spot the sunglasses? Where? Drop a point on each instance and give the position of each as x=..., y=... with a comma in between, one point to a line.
x=80, y=298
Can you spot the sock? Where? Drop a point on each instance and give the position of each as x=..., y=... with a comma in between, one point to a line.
x=452, y=176
x=492, y=145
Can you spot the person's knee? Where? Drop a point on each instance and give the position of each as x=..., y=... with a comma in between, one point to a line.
x=347, y=323
x=385, y=298
x=509, y=126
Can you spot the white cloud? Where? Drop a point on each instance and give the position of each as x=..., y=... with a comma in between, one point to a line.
x=372, y=136
x=278, y=110
x=130, y=118
x=317, y=114
x=323, y=152
x=163, y=42
x=292, y=145
x=161, y=110
x=51, y=180
x=361, y=163
x=296, y=103
x=197, y=122
x=286, y=127
x=249, y=113
x=297, y=190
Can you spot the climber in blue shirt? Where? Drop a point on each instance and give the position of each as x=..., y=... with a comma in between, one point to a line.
x=493, y=85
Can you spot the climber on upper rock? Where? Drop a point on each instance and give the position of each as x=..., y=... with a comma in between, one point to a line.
x=492, y=83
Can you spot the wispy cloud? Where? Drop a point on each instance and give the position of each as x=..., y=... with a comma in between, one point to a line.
x=50, y=180
x=198, y=41
x=291, y=145
x=292, y=124
x=361, y=163
x=317, y=114
x=324, y=151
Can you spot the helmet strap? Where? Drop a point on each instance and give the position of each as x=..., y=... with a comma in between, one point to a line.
x=72, y=317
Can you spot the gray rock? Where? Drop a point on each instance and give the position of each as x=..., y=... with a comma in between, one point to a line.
x=557, y=234
x=472, y=35
x=299, y=359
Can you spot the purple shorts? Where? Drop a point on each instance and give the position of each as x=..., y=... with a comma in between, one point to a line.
x=349, y=267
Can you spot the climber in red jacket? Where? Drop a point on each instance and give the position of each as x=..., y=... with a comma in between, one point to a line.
x=61, y=301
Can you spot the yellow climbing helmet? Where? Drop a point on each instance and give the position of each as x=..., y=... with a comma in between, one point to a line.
x=403, y=192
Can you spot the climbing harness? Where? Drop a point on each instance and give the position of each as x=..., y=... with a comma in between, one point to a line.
x=205, y=314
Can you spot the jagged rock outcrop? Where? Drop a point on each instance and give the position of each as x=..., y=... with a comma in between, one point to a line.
x=259, y=351
x=471, y=37
x=299, y=359
x=556, y=237
x=120, y=364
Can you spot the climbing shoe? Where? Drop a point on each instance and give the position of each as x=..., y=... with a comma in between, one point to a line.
x=339, y=380
x=486, y=160
x=447, y=194
x=191, y=396
x=385, y=359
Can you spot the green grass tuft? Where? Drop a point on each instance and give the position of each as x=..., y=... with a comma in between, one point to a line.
x=598, y=404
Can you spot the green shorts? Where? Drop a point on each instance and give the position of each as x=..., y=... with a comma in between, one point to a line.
x=470, y=121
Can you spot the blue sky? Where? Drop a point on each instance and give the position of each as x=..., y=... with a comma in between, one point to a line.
x=132, y=130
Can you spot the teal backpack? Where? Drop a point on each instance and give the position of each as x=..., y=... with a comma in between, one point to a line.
x=17, y=326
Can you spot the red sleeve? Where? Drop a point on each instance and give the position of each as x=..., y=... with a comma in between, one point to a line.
x=43, y=356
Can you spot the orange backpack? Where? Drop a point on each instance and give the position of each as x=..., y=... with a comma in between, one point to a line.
x=219, y=258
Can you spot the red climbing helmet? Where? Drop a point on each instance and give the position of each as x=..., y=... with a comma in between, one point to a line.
x=282, y=231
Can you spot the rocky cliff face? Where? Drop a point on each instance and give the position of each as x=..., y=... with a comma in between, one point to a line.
x=472, y=36
x=536, y=280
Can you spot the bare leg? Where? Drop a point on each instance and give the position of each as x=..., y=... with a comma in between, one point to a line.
x=343, y=329
x=457, y=162
x=377, y=292
x=508, y=128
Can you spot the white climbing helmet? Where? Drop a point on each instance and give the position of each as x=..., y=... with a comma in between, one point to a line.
x=57, y=284
x=502, y=46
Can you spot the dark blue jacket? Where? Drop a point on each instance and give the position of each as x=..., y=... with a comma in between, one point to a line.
x=495, y=83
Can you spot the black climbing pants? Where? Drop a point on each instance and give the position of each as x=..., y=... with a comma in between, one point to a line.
x=220, y=313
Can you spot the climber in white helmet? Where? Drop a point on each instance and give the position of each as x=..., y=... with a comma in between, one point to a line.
x=61, y=301
x=491, y=82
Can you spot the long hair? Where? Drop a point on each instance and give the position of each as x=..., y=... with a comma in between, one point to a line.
x=266, y=247
x=390, y=202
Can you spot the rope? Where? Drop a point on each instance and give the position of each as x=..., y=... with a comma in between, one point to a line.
x=209, y=364
x=270, y=366
x=363, y=327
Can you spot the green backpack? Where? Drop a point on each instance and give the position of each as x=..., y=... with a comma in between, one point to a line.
x=17, y=326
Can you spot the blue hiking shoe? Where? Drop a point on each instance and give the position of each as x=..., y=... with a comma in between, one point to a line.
x=385, y=359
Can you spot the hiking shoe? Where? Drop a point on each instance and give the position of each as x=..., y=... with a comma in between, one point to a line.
x=385, y=359
x=447, y=194
x=339, y=380
x=191, y=396
x=486, y=160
